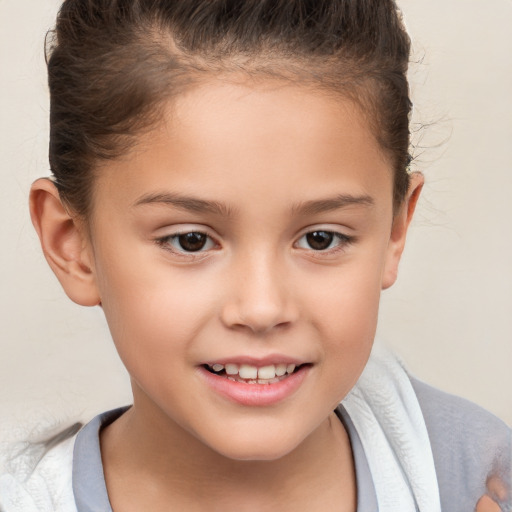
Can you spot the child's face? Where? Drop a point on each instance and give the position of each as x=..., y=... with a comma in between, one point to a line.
x=290, y=200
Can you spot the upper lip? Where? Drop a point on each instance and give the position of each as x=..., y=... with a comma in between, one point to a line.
x=257, y=361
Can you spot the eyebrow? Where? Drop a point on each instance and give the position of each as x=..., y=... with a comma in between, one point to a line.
x=191, y=204
x=334, y=203
x=196, y=205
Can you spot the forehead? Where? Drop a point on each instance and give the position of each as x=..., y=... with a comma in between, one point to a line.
x=233, y=140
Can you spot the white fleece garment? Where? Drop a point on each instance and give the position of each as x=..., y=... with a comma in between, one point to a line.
x=47, y=489
x=387, y=416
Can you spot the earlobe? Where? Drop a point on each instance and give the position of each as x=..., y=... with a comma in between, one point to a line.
x=64, y=243
x=399, y=230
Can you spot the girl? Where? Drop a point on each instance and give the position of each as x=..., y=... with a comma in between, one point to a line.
x=231, y=184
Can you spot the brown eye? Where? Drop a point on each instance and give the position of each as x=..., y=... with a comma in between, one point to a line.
x=322, y=240
x=319, y=240
x=189, y=242
x=192, y=242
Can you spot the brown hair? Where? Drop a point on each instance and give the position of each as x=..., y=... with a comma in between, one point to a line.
x=112, y=64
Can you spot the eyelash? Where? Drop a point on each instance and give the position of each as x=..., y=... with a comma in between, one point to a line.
x=342, y=241
x=166, y=242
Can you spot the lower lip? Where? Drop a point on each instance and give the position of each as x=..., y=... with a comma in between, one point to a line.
x=255, y=394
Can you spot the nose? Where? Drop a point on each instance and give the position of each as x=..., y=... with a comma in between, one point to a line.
x=259, y=298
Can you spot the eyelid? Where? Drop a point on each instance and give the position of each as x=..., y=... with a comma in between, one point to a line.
x=344, y=240
x=164, y=241
x=337, y=229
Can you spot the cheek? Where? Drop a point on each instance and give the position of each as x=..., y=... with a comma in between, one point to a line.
x=345, y=313
x=348, y=297
x=152, y=309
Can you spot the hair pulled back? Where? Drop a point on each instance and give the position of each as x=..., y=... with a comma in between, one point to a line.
x=113, y=63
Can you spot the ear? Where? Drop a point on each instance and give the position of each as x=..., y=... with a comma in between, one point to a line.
x=399, y=230
x=64, y=242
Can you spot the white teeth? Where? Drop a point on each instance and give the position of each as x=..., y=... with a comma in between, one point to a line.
x=280, y=370
x=267, y=372
x=253, y=374
x=232, y=369
x=248, y=372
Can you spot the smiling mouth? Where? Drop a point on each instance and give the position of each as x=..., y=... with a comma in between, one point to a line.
x=249, y=374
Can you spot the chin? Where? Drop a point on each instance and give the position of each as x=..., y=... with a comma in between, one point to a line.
x=253, y=454
x=257, y=448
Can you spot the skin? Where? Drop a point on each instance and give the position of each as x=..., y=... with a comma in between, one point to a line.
x=277, y=159
x=496, y=488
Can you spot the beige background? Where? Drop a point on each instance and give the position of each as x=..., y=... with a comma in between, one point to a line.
x=449, y=316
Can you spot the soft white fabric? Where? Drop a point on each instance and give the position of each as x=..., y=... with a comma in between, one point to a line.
x=48, y=488
x=385, y=412
x=387, y=416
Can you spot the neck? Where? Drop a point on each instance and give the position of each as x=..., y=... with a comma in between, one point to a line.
x=145, y=450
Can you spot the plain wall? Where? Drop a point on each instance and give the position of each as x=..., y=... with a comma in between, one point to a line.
x=449, y=316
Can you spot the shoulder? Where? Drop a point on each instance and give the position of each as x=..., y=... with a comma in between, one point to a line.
x=40, y=484
x=469, y=444
x=66, y=477
x=460, y=422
